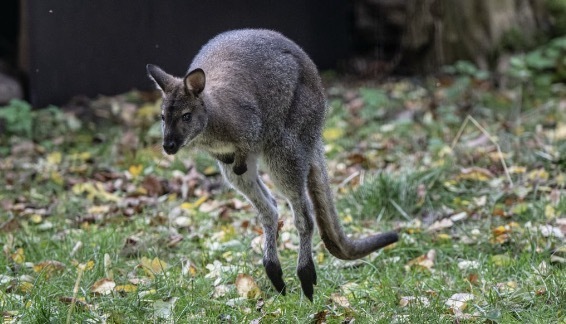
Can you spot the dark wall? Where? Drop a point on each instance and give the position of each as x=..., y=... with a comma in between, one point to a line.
x=93, y=47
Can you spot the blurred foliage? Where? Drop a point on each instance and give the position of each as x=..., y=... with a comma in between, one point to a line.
x=19, y=119
x=557, y=10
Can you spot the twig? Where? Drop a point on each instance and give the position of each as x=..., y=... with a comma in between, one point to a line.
x=491, y=138
x=348, y=179
x=400, y=210
x=81, y=269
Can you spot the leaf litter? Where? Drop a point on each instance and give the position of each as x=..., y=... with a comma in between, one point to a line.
x=487, y=195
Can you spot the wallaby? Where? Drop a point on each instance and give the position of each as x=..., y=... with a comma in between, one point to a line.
x=251, y=94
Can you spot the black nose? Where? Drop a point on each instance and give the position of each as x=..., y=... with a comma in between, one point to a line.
x=170, y=147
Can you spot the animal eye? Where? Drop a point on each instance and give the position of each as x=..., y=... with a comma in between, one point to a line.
x=186, y=117
x=162, y=117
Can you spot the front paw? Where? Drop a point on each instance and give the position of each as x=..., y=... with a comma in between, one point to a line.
x=240, y=169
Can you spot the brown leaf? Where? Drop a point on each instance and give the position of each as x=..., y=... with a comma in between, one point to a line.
x=10, y=225
x=79, y=302
x=153, y=185
x=320, y=317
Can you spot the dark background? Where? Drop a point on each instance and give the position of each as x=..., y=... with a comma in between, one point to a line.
x=92, y=47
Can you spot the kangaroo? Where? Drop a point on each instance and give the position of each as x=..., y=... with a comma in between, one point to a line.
x=254, y=94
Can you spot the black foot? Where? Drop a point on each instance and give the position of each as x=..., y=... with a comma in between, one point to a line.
x=275, y=275
x=240, y=169
x=307, y=276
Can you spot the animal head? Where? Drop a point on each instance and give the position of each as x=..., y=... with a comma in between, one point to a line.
x=183, y=112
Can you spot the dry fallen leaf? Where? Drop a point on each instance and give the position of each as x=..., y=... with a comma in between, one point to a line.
x=425, y=261
x=103, y=286
x=247, y=287
x=189, y=269
x=340, y=300
x=127, y=288
x=164, y=308
x=413, y=301
x=466, y=265
x=49, y=267
x=475, y=174
x=153, y=267
x=220, y=291
x=458, y=301
x=18, y=256
x=441, y=224
x=76, y=301
x=501, y=260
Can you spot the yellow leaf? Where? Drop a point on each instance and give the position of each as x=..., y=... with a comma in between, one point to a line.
x=153, y=267
x=538, y=175
x=500, y=230
x=93, y=191
x=102, y=209
x=36, y=218
x=247, y=287
x=549, y=212
x=332, y=134
x=24, y=287
x=319, y=257
x=18, y=257
x=475, y=174
x=57, y=178
x=210, y=170
x=517, y=169
x=195, y=205
x=127, y=288
x=135, y=170
x=54, y=158
x=89, y=265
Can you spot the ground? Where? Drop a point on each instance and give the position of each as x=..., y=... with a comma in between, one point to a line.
x=98, y=225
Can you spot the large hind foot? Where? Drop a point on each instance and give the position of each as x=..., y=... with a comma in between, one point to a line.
x=275, y=275
x=307, y=276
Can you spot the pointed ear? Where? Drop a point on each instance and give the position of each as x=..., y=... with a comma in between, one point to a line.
x=161, y=78
x=195, y=81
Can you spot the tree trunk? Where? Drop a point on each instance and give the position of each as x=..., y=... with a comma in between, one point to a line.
x=433, y=33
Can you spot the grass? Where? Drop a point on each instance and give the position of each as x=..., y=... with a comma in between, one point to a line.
x=97, y=195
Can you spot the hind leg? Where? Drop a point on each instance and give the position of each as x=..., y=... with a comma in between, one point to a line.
x=250, y=185
x=289, y=174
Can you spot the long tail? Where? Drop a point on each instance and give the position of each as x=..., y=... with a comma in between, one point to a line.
x=333, y=236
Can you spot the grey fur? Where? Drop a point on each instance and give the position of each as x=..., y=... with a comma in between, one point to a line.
x=251, y=94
